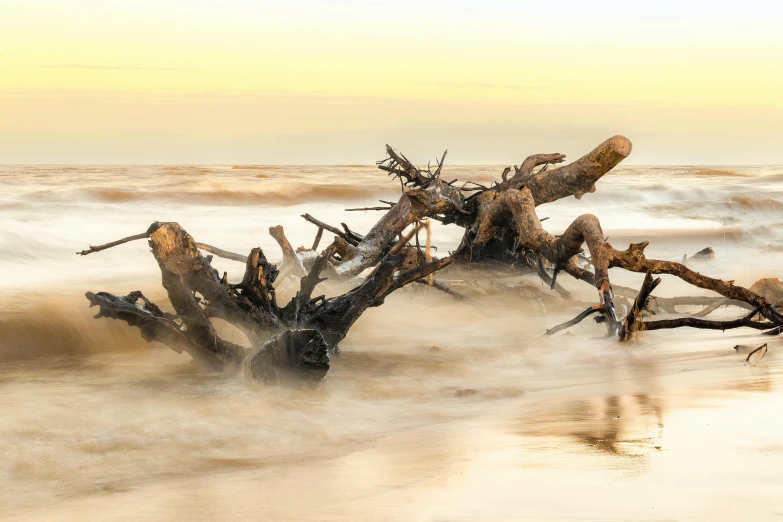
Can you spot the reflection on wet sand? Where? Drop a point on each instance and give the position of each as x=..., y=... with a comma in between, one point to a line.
x=620, y=425
x=397, y=430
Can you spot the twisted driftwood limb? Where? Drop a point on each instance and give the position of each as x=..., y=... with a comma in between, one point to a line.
x=491, y=233
x=501, y=224
x=519, y=206
x=292, y=340
x=291, y=265
x=428, y=196
x=635, y=322
x=156, y=325
x=575, y=179
x=633, y=260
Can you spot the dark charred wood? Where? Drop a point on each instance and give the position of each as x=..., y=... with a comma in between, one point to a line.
x=293, y=355
x=633, y=321
x=774, y=331
x=156, y=325
x=705, y=324
x=292, y=340
x=337, y=314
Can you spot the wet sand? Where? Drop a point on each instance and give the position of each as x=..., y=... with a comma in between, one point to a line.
x=496, y=424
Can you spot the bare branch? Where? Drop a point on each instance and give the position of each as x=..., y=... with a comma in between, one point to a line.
x=576, y=320
x=221, y=253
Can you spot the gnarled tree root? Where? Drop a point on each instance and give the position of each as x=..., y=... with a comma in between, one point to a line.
x=292, y=340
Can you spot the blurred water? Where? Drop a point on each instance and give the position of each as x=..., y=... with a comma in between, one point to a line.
x=496, y=424
x=50, y=212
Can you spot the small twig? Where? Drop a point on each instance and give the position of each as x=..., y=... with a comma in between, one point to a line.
x=330, y=228
x=554, y=277
x=152, y=228
x=442, y=287
x=546, y=278
x=404, y=240
x=436, y=175
x=222, y=253
x=576, y=320
x=366, y=208
x=351, y=233
x=317, y=239
x=98, y=248
x=478, y=186
x=757, y=350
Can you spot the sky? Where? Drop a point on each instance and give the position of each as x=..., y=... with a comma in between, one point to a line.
x=331, y=82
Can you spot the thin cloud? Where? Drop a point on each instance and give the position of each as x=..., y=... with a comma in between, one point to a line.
x=484, y=85
x=108, y=67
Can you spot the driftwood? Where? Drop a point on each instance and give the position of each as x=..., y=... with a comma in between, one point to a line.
x=501, y=225
x=295, y=339
x=754, y=353
x=502, y=229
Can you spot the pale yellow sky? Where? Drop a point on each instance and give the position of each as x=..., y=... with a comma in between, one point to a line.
x=235, y=81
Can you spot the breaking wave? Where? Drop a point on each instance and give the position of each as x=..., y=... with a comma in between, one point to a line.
x=716, y=172
x=288, y=193
x=48, y=331
x=724, y=208
x=257, y=167
x=113, y=195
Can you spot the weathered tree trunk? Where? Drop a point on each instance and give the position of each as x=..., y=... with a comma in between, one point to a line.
x=431, y=197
